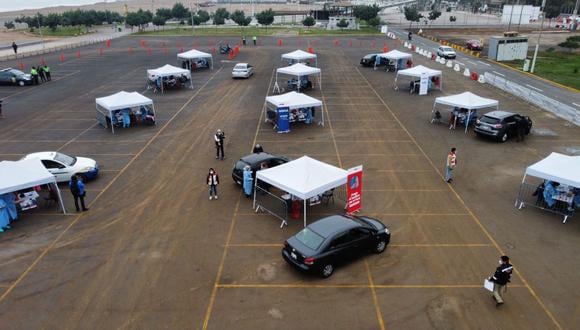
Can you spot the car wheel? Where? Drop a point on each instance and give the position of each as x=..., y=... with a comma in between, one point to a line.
x=380, y=246
x=504, y=137
x=327, y=270
x=21, y=83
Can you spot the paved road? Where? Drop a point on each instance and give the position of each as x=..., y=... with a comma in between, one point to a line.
x=480, y=65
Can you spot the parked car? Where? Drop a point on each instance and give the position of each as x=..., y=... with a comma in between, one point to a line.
x=63, y=166
x=242, y=70
x=446, y=52
x=330, y=241
x=474, y=45
x=501, y=125
x=255, y=160
x=368, y=60
x=14, y=77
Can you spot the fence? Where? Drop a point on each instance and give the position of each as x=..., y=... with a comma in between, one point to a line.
x=268, y=202
x=54, y=49
x=557, y=108
x=533, y=195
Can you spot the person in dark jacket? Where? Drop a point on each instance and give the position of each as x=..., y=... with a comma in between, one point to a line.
x=257, y=149
x=219, y=137
x=15, y=47
x=501, y=278
x=41, y=73
x=46, y=70
x=77, y=189
x=521, y=127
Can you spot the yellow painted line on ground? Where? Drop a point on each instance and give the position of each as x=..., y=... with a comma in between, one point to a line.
x=375, y=299
x=404, y=190
x=403, y=171
x=46, y=129
x=79, y=216
x=440, y=245
x=439, y=286
x=572, y=89
x=230, y=231
x=54, y=214
x=62, y=119
x=250, y=245
x=356, y=286
x=472, y=215
x=341, y=141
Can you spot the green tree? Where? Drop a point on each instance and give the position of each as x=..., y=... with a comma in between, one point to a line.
x=265, y=17
x=133, y=20
x=9, y=25
x=179, y=11
x=52, y=21
x=159, y=20
x=434, y=14
x=570, y=43
x=165, y=13
x=240, y=18
x=203, y=16
x=412, y=15
x=308, y=21
x=366, y=12
x=374, y=22
x=342, y=23
x=452, y=18
x=220, y=16
x=196, y=20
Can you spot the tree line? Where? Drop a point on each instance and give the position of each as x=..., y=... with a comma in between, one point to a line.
x=77, y=17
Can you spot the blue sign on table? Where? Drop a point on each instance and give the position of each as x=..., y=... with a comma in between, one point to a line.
x=283, y=120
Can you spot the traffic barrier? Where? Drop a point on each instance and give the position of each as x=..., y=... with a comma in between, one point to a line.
x=466, y=72
x=413, y=48
x=21, y=66
x=181, y=50
x=350, y=43
x=456, y=68
x=108, y=43
x=78, y=54
x=449, y=64
x=481, y=79
x=310, y=50
x=231, y=56
x=42, y=61
x=149, y=51
x=130, y=49
x=474, y=75
x=385, y=49
x=336, y=42
x=433, y=57
x=61, y=58
x=165, y=50
x=213, y=50
x=143, y=43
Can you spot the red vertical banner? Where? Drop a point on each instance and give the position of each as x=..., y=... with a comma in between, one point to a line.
x=21, y=66
x=354, y=189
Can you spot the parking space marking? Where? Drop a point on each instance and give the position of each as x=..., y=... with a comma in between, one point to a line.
x=76, y=137
x=532, y=87
x=426, y=245
x=32, y=88
x=576, y=104
x=374, y=295
x=472, y=215
x=480, y=62
x=54, y=242
x=340, y=141
x=356, y=286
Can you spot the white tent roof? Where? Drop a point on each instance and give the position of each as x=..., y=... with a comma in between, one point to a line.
x=304, y=177
x=298, y=69
x=168, y=70
x=191, y=54
x=22, y=174
x=557, y=167
x=418, y=70
x=467, y=100
x=298, y=55
x=293, y=100
x=123, y=100
x=395, y=55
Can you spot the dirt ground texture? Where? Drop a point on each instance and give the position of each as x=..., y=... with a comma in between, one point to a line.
x=154, y=252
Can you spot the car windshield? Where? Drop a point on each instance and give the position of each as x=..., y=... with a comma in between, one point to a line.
x=17, y=72
x=369, y=56
x=489, y=120
x=239, y=67
x=447, y=49
x=65, y=159
x=309, y=238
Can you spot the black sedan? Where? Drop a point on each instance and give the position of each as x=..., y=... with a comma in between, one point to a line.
x=330, y=241
x=14, y=77
x=255, y=161
x=369, y=60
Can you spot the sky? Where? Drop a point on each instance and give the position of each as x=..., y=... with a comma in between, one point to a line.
x=10, y=5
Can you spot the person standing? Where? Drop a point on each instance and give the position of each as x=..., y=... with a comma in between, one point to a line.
x=521, y=126
x=255, y=39
x=450, y=165
x=46, y=69
x=248, y=181
x=257, y=149
x=77, y=189
x=212, y=181
x=34, y=75
x=40, y=70
x=219, y=144
x=15, y=47
x=500, y=279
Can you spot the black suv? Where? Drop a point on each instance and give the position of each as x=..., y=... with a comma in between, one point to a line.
x=14, y=77
x=501, y=125
x=255, y=160
x=333, y=240
x=369, y=60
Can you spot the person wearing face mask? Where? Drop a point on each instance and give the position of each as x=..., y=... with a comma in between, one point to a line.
x=450, y=165
x=500, y=279
x=212, y=181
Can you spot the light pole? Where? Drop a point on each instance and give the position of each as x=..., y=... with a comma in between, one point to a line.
x=191, y=13
x=539, y=36
x=40, y=30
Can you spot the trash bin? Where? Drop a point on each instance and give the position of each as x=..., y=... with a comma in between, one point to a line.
x=526, y=65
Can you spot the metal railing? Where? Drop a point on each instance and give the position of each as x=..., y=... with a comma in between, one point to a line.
x=53, y=49
x=270, y=203
x=533, y=195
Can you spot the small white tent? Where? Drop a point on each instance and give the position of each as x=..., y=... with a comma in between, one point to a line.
x=193, y=54
x=417, y=72
x=298, y=70
x=300, y=56
x=394, y=55
x=304, y=178
x=294, y=100
x=466, y=100
x=167, y=71
x=26, y=173
x=557, y=167
x=121, y=100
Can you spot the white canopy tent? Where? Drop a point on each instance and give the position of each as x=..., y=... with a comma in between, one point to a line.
x=26, y=173
x=394, y=55
x=298, y=70
x=168, y=71
x=121, y=100
x=294, y=100
x=466, y=100
x=557, y=167
x=300, y=56
x=304, y=178
x=418, y=71
x=194, y=54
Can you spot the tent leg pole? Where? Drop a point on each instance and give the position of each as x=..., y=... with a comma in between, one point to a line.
x=304, y=212
x=60, y=198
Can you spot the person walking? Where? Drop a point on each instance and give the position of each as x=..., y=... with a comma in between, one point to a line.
x=34, y=75
x=255, y=40
x=500, y=279
x=212, y=181
x=521, y=126
x=219, y=144
x=77, y=189
x=244, y=40
x=41, y=73
x=15, y=47
x=248, y=181
x=46, y=69
x=450, y=165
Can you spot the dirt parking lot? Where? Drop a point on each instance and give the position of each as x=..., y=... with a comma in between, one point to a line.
x=154, y=252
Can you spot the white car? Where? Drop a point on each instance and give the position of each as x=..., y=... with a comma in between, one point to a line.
x=242, y=70
x=446, y=52
x=63, y=166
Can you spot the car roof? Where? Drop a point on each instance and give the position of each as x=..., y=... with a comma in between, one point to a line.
x=41, y=155
x=242, y=64
x=257, y=157
x=446, y=47
x=499, y=114
x=7, y=69
x=332, y=225
x=370, y=55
